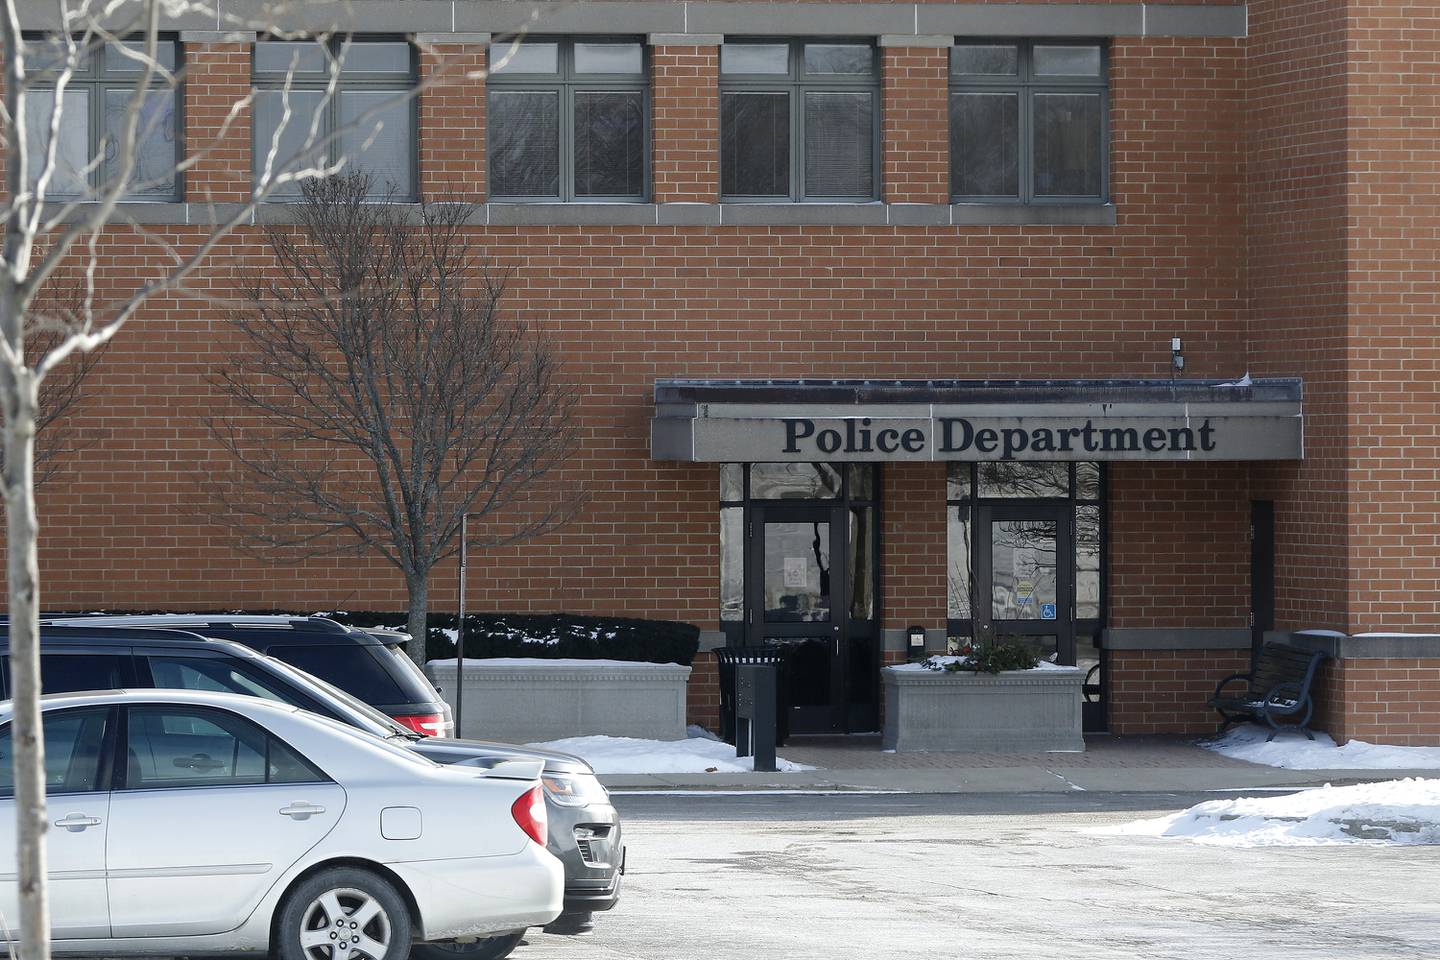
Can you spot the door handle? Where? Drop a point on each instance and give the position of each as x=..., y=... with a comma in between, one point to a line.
x=75, y=822
x=302, y=810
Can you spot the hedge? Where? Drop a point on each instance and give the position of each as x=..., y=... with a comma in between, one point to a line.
x=548, y=636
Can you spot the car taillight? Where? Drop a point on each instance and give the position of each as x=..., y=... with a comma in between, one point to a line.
x=529, y=813
x=425, y=724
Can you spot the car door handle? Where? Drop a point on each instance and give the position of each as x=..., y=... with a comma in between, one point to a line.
x=75, y=822
x=302, y=810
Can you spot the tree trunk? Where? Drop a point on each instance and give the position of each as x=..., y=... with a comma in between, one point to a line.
x=419, y=587
x=23, y=573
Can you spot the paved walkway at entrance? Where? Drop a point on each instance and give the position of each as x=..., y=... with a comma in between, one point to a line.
x=864, y=753
x=1125, y=764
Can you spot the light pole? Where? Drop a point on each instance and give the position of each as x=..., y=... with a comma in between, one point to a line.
x=460, y=636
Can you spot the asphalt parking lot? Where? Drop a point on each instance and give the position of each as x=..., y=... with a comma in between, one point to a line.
x=989, y=876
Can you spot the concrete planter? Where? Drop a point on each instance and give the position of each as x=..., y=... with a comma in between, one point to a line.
x=1019, y=711
x=529, y=701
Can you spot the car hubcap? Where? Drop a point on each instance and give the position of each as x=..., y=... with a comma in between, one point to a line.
x=344, y=924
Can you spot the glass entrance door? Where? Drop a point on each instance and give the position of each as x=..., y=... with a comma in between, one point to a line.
x=1025, y=574
x=797, y=598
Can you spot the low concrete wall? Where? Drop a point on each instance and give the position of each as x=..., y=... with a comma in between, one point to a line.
x=1020, y=711
x=530, y=701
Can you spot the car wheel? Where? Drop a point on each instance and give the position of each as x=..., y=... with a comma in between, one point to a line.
x=490, y=948
x=343, y=914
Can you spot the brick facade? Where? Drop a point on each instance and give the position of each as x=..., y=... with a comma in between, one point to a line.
x=1263, y=192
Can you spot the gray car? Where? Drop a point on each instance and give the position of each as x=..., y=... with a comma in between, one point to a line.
x=584, y=829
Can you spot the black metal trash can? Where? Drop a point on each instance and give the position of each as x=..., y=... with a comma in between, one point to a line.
x=726, y=658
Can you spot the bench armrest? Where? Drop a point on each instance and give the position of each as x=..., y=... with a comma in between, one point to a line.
x=1230, y=679
x=1287, y=696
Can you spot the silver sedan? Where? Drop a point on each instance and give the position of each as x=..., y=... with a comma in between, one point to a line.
x=188, y=823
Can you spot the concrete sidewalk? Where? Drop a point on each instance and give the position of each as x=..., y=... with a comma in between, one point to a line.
x=1116, y=764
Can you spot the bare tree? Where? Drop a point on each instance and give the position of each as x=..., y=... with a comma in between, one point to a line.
x=381, y=395
x=55, y=212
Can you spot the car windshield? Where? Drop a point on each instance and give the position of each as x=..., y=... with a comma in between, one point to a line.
x=357, y=712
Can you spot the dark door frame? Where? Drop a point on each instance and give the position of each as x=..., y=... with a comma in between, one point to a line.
x=1061, y=513
x=833, y=717
x=1262, y=573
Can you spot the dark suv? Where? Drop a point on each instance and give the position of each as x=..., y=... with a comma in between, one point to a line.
x=584, y=827
x=370, y=665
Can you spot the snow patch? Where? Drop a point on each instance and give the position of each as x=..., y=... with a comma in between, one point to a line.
x=610, y=755
x=935, y=663
x=1293, y=752
x=548, y=662
x=1394, y=811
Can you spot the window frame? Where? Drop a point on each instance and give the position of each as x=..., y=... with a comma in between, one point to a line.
x=349, y=81
x=796, y=83
x=119, y=772
x=970, y=500
x=96, y=78
x=105, y=761
x=1025, y=84
x=565, y=82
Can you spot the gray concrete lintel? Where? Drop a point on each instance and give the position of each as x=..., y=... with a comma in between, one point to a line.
x=915, y=40
x=1379, y=646
x=1176, y=638
x=436, y=39
x=217, y=36
x=546, y=17
x=898, y=639
x=685, y=39
x=801, y=19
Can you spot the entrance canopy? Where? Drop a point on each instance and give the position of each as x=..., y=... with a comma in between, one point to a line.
x=891, y=420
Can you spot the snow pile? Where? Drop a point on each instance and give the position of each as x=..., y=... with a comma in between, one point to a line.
x=1394, y=811
x=548, y=662
x=696, y=754
x=1293, y=752
x=936, y=663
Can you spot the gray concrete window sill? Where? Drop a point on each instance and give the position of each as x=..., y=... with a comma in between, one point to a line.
x=677, y=214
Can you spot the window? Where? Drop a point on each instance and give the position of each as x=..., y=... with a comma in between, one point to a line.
x=70, y=672
x=1028, y=122
x=193, y=747
x=73, y=740
x=213, y=673
x=354, y=668
x=568, y=120
x=799, y=121
x=93, y=111
x=370, y=110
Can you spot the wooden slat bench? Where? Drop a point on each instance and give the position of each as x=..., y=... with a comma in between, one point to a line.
x=1278, y=688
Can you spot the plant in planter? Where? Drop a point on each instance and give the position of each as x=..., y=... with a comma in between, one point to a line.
x=987, y=656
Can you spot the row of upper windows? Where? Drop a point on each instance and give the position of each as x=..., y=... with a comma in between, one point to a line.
x=569, y=120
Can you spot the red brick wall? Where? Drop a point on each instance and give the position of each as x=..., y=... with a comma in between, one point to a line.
x=630, y=304
x=217, y=76
x=702, y=694
x=916, y=119
x=686, y=125
x=1296, y=167
x=1380, y=701
x=453, y=164
x=1164, y=691
x=912, y=538
x=1393, y=292
x=1179, y=545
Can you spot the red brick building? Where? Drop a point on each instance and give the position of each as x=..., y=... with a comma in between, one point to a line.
x=761, y=223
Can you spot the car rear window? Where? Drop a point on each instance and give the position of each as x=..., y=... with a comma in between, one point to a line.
x=368, y=673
